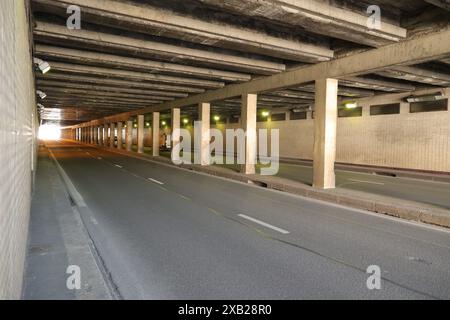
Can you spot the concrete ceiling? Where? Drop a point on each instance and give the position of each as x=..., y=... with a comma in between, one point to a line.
x=134, y=54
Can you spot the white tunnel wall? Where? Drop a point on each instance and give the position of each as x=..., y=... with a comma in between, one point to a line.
x=17, y=143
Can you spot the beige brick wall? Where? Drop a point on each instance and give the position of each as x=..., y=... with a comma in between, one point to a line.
x=419, y=141
x=17, y=133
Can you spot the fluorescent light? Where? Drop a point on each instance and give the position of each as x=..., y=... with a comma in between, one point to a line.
x=265, y=114
x=351, y=105
x=185, y=121
x=426, y=98
x=216, y=118
x=41, y=94
x=42, y=65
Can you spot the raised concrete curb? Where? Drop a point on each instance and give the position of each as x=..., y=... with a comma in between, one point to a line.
x=404, y=209
x=381, y=171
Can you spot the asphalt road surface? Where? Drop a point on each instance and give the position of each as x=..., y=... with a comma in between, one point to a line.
x=166, y=233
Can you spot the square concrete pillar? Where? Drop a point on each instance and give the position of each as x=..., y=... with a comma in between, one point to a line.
x=100, y=136
x=404, y=107
x=176, y=125
x=155, y=134
x=119, y=135
x=140, y=133
x=129, y=135
x=325, y=123
x=248, y=116
x=91, y=132
x=105, y=135
x=112, y=135
x=204, y=114
x=95, y=131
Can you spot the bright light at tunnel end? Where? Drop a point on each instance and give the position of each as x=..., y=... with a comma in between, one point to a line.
x=49, y=132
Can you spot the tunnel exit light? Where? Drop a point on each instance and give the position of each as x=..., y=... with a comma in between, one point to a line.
x=49, y=132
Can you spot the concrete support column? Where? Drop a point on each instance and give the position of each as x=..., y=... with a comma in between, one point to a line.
x=204, y=114
x=155, y=135
x=248, y=116
x=94, y=134
x=119, y=135
x=325, y=123
x=404, y=107
x=129, y=135
x=112, y=135
x=97, y=135
x=105, y=135
x=91, y=133
x=176, y=135
x=140, y=133
x=100, y=136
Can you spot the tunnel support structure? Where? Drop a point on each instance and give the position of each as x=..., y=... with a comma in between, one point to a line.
x=176, y=134
x=140, y=133
x=325, y=133
x=119, y=135
x=129, y=135
x=248, y=118
x=204, y=136
x=155, y=135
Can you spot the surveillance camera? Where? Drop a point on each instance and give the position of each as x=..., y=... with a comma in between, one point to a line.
x=42, y=65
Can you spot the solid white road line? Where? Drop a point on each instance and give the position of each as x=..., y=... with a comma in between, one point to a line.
x=264, y=224
x=156, y=181
x=369, y=182
x=118, y=166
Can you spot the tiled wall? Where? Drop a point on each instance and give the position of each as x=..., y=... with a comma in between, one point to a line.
x=17, y=134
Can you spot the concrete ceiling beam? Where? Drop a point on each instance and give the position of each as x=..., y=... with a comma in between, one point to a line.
x=375, y=84
x=132, y=75
x=52, y=84
x=105, y=42
x=47, y=52
x=93, y=98
x=317, y=16
x=414, y=51
x=175, y=90
x=343, y=91
x=159, y=22
x=416, y=74
x=131, y=98
x=105, y=91
x=443, y=4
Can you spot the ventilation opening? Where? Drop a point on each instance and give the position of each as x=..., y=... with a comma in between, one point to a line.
x=385, y=174
x=257, y=183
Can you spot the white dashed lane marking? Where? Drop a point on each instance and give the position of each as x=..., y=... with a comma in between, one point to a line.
x=264, y=224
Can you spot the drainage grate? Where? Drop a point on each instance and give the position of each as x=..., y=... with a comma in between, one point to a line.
x=385, y=174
